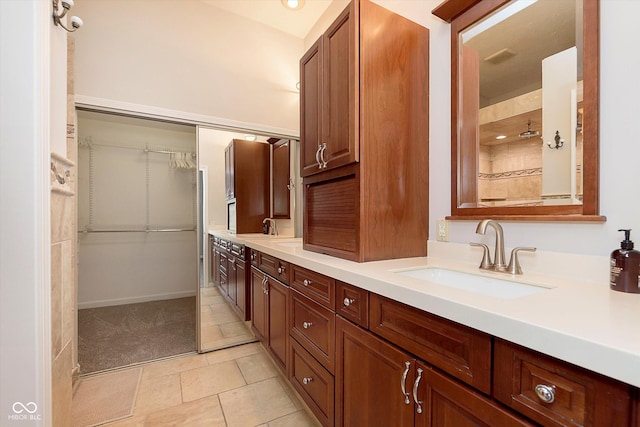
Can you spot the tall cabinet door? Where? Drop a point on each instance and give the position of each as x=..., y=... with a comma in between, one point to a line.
x=340, y=77
x=258, y=304
x=373, y=380
x=311, y=109
x=278, y=325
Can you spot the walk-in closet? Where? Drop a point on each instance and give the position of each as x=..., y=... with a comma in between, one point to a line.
x=137, y=257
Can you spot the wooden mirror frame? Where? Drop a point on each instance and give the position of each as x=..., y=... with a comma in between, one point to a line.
x=463, y=13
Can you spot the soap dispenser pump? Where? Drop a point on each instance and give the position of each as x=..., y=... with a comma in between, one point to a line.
x=625, y=266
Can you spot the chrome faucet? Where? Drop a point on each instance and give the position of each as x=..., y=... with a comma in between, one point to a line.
x=272, y=225
x=498, y=264
x=498, y=258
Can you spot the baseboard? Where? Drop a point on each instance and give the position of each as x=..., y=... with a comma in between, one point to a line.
x=133, y=300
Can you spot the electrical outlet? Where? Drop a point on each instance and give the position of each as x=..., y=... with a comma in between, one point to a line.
x=442, y=226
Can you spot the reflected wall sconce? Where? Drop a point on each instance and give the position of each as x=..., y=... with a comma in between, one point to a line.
x=58, y=15
x=559, y=142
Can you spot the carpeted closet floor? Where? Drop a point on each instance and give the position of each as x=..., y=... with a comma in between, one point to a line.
x=122, y=335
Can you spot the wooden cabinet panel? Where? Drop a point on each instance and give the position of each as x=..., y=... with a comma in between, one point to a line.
x=460, y=351
x=215, y=266
x=267, y=263
x=369, y=376
x=248, y=182
x=242, y=304
x=580, y=397
x=370, y=200
x=278, y=295
x=352, y=303
x=314, y=327
x=281, y=167
x=311, y=109
x=223, y=266
x=316, y=286
x=259, y=308
x=340, y=85
x=232, y=279
x=314, y=383
x=442, y=402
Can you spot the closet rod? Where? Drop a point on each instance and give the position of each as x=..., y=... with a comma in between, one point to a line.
x=148, y=150
x=131, y=230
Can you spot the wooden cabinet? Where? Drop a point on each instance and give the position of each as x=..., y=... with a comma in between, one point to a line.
x=462, y=352
x=270, y=321
x=229, y=269
x=280, y=172
x=352, y=303
x=555, y=393
x=328, y=90
x=247, y=183
x=380, y=384
x=364, y=136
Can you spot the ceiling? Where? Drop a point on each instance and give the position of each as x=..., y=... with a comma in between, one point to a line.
x=274, y=14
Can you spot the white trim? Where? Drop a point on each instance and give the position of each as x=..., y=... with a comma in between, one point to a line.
x=133, y=300
x=159, y=113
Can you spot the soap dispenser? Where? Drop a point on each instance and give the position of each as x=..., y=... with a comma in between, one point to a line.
x=625, y=267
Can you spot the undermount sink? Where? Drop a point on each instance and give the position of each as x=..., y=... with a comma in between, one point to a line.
x=479, y=284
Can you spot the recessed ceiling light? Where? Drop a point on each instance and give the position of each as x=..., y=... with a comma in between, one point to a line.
x=501, y=136
x=250, y=137
x=293, y=4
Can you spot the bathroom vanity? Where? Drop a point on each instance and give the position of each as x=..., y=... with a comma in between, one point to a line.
x=364, y=343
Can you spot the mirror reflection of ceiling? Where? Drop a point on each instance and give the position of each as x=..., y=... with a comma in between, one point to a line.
x=536, y=32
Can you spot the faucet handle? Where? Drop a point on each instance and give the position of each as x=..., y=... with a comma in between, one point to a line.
x=486, y=263
x=514, y=264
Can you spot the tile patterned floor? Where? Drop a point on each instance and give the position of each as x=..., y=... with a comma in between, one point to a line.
x=219, y=325
x=234, y=387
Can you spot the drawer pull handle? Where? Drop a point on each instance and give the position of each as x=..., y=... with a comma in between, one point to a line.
x=307, y=380
x=306, y=325
x=416, y=384
x=306, y=282
x=348, y=301
x=545, y=393
x=403, y=383
x=280, y=270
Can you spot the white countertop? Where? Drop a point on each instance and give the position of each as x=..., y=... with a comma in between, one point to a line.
x=581, y=322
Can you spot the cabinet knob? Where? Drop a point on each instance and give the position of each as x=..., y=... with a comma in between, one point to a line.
x=348, y=301
x=307, y=380
x=253, y=256
x=281, y=270
x=306, y=325
x=546, y=393
x=306, y=282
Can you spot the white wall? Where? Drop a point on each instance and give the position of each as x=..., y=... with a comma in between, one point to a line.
x=187, y=56
x=28, y=41
x=620, y=150
x=123, y=268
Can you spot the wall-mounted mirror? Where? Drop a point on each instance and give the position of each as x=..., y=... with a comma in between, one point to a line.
x=524, y=109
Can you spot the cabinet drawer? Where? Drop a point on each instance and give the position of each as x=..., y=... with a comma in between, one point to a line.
x=316, y=286
x=267, y=263
x=352, y=303
x=237, y=250
x=314, y=383
x=314, y=327
x=283, y=271
x=456, y=349
x=567, y=394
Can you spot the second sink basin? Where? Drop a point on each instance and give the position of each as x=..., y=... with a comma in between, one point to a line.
x=479, y=284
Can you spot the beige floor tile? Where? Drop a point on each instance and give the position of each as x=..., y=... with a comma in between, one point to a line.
x=256, y=403
x=203, y=412
x=207, y=292
x=210, y=336
x=135, y=421
x=210, y=380
x=257, y=367
x=233, y=353
x=173, y=366
x=234, y=329
x=297, y=419
x=212, y=300
x=158, y=393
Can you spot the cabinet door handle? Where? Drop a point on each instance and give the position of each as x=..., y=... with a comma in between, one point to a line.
x=306, y=325
x=318, y=156
x=546, y=393
x=306, y=282
x=264, y=285
x=233, y=264
x=307, y=380
x=322, y=150
x=253, y=256
x=403, y=383
x=416, y=384
x=348, y=301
